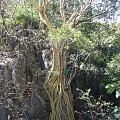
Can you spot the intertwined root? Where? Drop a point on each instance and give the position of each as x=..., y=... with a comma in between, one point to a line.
x=60, y=98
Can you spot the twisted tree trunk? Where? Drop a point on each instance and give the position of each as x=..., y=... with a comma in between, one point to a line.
x=60, y=99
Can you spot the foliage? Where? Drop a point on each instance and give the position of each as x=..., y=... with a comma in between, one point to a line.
x=76, y=36
x=113, y=71
x=26, y=15
x=103, y=45
x=94, y=109
x=62, y=33
x=116, y=112
x=83, y=42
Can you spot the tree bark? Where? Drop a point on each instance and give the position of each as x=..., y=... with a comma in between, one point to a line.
x=55, y=85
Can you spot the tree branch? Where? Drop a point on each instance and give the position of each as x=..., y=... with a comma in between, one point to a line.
x=2, y=12
x=62, y=12
x=80, y=22
x=77, y=14
x=45, y=2
x=43, y=16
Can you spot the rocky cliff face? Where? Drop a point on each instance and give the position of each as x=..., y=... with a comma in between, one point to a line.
x=21, y=86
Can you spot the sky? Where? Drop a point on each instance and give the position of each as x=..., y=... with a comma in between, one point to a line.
x=118, y=19
x=117, y=14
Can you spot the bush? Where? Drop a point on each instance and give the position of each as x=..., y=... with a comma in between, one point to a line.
x=93, y=109
x=113, y=71
x=26, y=15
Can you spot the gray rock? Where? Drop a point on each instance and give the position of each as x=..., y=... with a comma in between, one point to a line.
x=3, y=113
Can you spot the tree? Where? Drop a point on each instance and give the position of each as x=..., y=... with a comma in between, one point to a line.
x=55, y=85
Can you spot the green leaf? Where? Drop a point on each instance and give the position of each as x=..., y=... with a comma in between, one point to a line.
x=118, y=93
